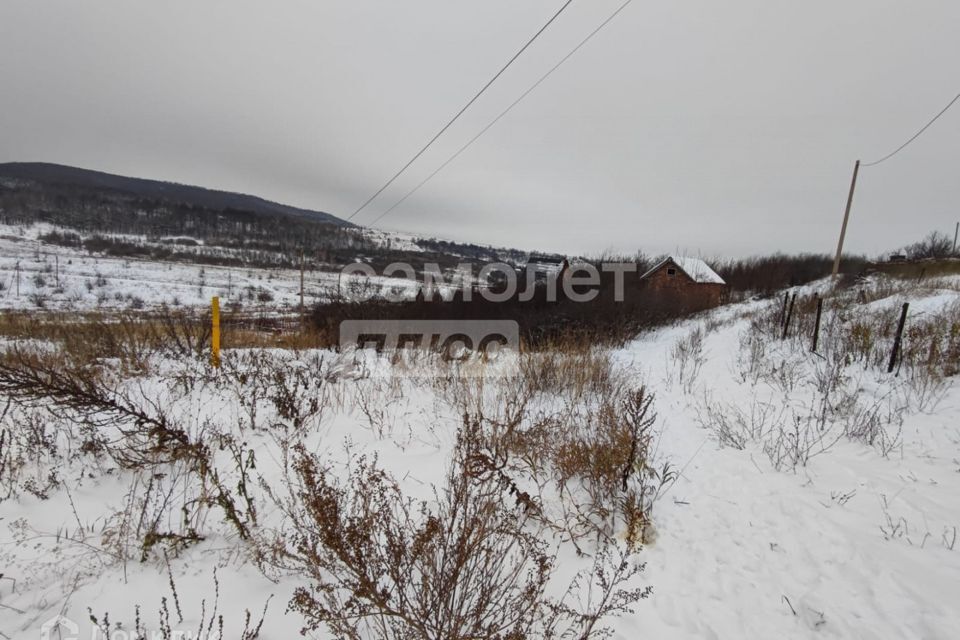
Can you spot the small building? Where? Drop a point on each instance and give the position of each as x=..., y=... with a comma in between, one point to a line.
x=690, y=279
x=542, y=267
x=544, y=264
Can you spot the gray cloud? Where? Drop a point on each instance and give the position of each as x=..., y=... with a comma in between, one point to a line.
x=715, y=128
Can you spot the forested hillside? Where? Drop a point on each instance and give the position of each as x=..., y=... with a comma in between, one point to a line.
x=120, y=216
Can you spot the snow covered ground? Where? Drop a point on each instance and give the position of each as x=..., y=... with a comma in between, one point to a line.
x=779, y=524
x=67, y=279
x=852, y=545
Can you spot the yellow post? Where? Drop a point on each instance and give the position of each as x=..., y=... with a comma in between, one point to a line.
x=215, y=333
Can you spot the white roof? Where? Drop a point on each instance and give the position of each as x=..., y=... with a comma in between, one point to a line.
x=698, y=270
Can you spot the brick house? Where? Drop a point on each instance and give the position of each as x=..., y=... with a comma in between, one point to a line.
x=689, y=279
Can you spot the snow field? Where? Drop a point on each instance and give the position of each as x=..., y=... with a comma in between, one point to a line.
x=853, y=539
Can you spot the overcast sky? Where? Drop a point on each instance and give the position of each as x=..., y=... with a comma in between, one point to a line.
x=713, y=128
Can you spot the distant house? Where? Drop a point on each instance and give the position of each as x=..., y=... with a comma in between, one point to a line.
x=543, y=265
x=545, y=262
x=688, y=278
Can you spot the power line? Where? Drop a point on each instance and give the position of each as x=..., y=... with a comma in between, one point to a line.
x=915, y=136
x=856, y=171
x=505, y=111
x=461, y=112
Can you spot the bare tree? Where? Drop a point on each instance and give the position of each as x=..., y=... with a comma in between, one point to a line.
x=935, y=245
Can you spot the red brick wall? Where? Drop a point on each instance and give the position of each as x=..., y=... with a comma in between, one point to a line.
x=697, y=295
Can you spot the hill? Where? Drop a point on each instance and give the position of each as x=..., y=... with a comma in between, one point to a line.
x=104, y=214
x=170, y=192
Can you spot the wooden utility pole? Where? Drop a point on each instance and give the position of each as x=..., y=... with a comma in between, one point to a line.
x=846, y=218
x=956, y=230
x=18, y=278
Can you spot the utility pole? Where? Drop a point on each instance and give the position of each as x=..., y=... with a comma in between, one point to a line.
x=18, y=278
x=956, y=230
x=56, y=259
x=846, y=218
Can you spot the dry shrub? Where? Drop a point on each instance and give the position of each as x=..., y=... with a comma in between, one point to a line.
x=590, y=464
x=128, y=341
x=575, y=432
x=133, y=339
x=878, y=425
x=137, y=434
x=210, y=625
x=614, y=463
x=473, y=565
x=856, y=339
x=734, y=427
x=379, y=561
x=687, y=358
x=30, y=454
x=794, y=443
x=571, y=370
x=60, y=412
x=790, y=436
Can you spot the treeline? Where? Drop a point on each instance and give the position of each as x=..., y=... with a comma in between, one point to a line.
x=759, y=274
x=175, y=250
x=935, y=246
x=766, y=274
x=232, y=255
x=98, y=211
x=225, y=236
x=471, y=251
x=546, y=315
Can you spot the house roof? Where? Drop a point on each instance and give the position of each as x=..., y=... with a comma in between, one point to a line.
x=546, y=259
x=698, y=270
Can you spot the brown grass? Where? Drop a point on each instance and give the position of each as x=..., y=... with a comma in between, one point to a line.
x=133, y=339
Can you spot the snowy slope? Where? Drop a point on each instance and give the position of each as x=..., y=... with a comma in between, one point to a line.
x=859, y=541
x=62, y=278
x=745, y=551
